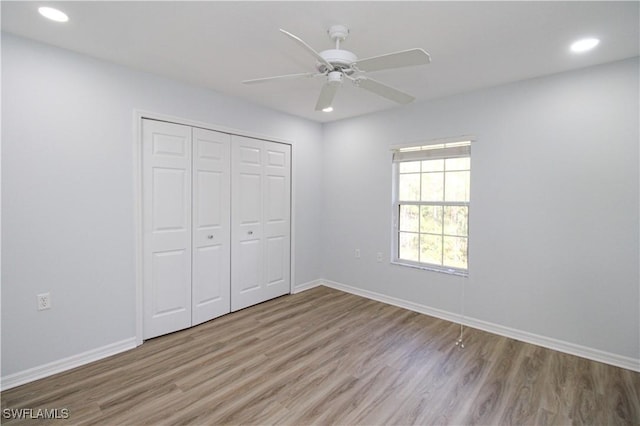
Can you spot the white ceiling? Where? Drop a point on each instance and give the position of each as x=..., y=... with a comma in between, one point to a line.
x=218, y=44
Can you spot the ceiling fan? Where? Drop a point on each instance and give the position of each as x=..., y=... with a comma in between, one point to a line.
x=338, y=64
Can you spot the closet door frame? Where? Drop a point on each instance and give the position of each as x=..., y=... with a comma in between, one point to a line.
x=138, y=116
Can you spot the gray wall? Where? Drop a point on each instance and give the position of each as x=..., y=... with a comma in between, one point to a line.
x=554, y=205
x=67, y=193
x=554, y=208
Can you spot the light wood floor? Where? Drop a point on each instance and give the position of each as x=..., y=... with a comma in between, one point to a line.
x=327, y=357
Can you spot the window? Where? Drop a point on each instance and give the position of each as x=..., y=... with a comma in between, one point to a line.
x=431, y=206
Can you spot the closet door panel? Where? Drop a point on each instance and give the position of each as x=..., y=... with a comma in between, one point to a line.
x=277, y=223
x=167, y=227
x=207, y=291
x=249, y=276
x=260, y=255
x=275, y=261
x=247, y=253
x=169, y=267
x=211, y=225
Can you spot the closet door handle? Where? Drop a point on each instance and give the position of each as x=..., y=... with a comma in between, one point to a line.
x=210, y=237
x=250, y=232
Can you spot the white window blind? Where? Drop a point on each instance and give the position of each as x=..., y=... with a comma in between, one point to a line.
x=433, y=152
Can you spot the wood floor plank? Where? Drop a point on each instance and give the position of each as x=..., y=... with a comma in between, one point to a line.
x=327, y=357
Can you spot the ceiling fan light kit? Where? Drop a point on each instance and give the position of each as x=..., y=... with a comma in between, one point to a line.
x=334, y=78
x=337, y=64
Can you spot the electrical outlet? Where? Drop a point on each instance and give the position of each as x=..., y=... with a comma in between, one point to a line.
x=357, y=253
x=379, y=257
x=44, y=301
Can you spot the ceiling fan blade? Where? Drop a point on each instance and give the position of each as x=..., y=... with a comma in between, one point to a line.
x=282, y=77
x=308, y=49
x=326, y=96
x=384, y=90
x=404, y=58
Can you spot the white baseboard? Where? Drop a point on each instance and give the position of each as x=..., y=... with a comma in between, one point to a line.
x=32, y=374
x=306, y=286
x=523, y=336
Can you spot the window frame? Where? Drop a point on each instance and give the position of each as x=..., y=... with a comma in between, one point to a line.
x=396, y=204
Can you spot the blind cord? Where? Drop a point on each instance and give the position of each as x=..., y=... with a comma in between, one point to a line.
x=459, y=342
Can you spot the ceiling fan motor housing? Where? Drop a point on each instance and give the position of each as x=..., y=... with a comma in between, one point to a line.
x=340, y=59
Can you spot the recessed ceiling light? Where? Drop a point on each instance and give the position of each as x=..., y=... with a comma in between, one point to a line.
x=584, y=45
x=53, y=14
x=327, y=109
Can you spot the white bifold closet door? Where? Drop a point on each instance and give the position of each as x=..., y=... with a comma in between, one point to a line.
x=211, y=263
x=186, y=217
x=261, y=221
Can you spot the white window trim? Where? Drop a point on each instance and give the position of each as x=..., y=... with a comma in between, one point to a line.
x=395, y=207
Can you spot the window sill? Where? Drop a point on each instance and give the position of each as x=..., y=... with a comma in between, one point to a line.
x=432, y=268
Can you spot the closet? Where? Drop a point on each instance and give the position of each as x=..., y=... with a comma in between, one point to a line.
x=216, y=224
